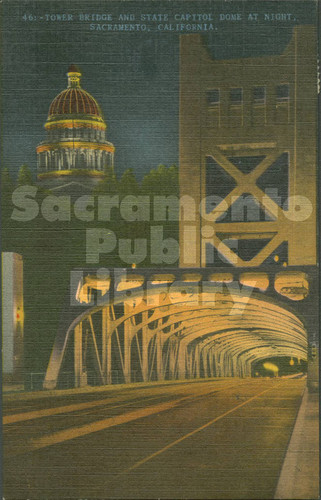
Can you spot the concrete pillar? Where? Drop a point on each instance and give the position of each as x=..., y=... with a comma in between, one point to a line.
x=87, y=158
x=99, y=160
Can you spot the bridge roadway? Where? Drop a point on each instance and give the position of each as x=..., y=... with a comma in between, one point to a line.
x=214, y=438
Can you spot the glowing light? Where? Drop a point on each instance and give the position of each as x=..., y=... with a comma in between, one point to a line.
x=75, y=144
x=195, y=277
x=59, y=173
x=291, y=363
x=131, y=281
x=19, y=315
x=255, y=280
x=292, y=284
x=77, y=124
x=162, y=278
x=271, y=367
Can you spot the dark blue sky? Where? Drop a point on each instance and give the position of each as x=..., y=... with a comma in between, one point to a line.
x=134, y=76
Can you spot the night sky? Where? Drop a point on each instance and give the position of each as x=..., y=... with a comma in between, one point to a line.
x=133, y=75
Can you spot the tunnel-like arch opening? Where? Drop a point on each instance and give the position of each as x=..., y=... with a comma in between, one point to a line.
x=182, y=334
x=280, y=366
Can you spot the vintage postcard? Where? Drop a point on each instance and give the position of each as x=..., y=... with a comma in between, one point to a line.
x=160, y=294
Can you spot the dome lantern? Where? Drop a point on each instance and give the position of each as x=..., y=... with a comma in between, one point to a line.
x=74, y=75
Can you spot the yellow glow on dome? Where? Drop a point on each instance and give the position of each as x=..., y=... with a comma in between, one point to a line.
x=77, y=123
x=72, y=172
x=74, y=145
x=74, y=109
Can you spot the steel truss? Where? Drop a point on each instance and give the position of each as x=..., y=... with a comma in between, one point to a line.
x=169, y=335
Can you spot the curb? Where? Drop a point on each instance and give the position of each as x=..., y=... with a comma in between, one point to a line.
x=297, y=479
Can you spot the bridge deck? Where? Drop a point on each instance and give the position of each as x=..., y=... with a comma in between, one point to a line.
x=223, y=438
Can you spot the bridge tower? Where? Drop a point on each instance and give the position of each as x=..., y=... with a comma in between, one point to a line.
x=248, y=135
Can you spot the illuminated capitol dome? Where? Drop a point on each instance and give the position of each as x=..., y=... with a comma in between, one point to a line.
x=76, y=144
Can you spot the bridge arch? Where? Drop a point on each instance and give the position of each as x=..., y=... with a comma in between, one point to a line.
x=163, y=333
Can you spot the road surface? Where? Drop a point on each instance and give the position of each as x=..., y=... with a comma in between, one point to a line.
x=206, y=439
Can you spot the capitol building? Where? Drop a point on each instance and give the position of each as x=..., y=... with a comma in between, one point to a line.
x=75, y=149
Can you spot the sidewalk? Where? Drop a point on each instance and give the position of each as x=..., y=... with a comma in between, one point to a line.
x=12, y=388
x=299, y=477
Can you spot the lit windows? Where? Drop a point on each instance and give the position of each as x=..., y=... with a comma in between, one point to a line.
x=259, y=95
x=236, y=96
x=282, y=93
x=213, y=97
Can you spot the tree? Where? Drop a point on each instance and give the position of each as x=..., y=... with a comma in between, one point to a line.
x=6, y=182
x=174, y=179
x=161, y=181
x=24, y=176
x=150, y=184
x=109, y=185
x=128, y=183
x=7, y=187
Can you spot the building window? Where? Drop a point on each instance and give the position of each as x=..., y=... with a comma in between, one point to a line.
x=213, y=97
x=42, y=160
x=236, y=96
x=282, y=93
x=259, y=95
